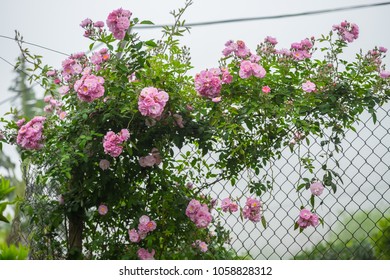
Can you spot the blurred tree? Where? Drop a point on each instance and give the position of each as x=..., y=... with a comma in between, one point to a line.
x=27, y=106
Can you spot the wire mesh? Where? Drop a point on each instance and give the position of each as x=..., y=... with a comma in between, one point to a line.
x=350, y=215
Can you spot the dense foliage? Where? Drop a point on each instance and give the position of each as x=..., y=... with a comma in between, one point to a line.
x=106, y=149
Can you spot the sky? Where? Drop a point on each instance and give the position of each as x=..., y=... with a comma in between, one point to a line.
x=55, y=24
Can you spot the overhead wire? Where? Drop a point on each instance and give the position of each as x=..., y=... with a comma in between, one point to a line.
x=324, y=11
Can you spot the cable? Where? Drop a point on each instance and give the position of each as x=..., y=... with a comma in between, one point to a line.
x=36, y=45
x=269, y=17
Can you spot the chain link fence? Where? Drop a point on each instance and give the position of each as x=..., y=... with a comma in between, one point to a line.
x=350, y=215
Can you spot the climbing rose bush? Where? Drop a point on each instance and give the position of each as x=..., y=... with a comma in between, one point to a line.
x=107, y=159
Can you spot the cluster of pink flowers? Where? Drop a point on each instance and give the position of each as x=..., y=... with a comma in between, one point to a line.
x=151, y=102
x=91, y=28
x=252, y=210
x=154, y=158
x=298, y=136
x=112, y=142
x=198, y=213
x=99, y=57
x=118, y=21
x=54, y=105
x=201, y=245
x=102, y=209
x=384, y=74
x=208, y=83
x=307, y=218
x=301, y=50
x=309, y=86
x=89, y=87
x=348, y=31
x=271, y=40
x=72, y=66
x=144, y=254
x=248, y=69
x=228, y=205
x=238, y=48
x=316, y=188
x=145, y=226
x=30, y=135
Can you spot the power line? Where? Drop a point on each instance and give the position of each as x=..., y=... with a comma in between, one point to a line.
x=33, y=44
x=269, y=17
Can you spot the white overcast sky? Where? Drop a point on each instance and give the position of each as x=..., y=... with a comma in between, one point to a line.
x=55, y=24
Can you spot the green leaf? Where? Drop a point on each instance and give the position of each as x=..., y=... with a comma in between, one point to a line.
x=151, y=43
x=146, y=22
x=312, y=201
x=263, y=222
x=3, y=219
x=334, y=187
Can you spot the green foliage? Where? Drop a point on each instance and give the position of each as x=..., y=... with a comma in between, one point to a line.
x=361, y=236
x=246, y=131
x=381, y=240
x=5, y=190
x=13, y=252
x=353, y=250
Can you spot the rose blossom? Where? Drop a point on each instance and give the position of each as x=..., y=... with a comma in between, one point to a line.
x=316, y=188
x=118, y=21
x=309, y=86
x=252, y=210
x=112, y=143
x=307, y=218
x=144, y=254
x=30, y=135
x=134, y=236
x=266, y=89
x=89, y=88
x=103, y=209
x=104, y=164
x=248, y=69
x=151, y=102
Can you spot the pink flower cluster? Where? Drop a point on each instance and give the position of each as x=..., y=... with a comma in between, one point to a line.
x=91, y=28
x=307, y=218
x=238, y=48
x=316, y=188
x=348, y=31
x=145, y=226
x=301, y=50
x=89, y=87
x=153, y=158
x=54, y=105
x=201, y=245
x=384, y=74
x=228, y=205
x=73, y=66
x=198, y=213
x=112, y=142
x=118, y=21
x=30, y=135
x=252, y=210
x=99, y=57
x=208, y=83
x=151, y=102
x=248, y=69
x=144, y=254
